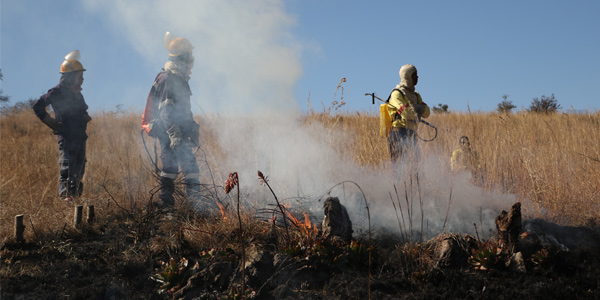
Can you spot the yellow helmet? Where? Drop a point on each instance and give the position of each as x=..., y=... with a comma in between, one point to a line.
x=71, y=63
x=177, y=46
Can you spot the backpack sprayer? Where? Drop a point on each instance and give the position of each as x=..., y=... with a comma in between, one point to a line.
x=373, y=97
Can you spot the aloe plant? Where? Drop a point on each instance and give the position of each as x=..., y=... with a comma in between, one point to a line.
x=174, y=275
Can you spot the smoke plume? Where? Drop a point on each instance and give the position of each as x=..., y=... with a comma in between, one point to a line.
x=247, y=63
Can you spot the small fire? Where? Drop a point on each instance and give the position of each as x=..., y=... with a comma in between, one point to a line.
x=307, y=222
x=305, y=226
x=223, y=212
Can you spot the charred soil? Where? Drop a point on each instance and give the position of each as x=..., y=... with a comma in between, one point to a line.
x=117, y=259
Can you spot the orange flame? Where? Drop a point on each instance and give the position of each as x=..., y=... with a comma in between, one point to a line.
x=306, y=227
x=307, y=222
x=222, y=208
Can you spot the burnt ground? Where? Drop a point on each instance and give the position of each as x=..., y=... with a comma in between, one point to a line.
x=114, y=260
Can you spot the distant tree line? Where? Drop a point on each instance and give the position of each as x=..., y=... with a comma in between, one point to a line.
x=545, y=105
x=440, y=108
x=506, y=106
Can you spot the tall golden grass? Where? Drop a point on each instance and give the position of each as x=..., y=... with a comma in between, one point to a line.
x=551, y=161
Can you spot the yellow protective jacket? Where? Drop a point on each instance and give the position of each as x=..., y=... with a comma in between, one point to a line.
x=464, y=160
x=404, y=112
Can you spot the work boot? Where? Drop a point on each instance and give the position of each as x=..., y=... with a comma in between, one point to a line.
x=167, y=188
x=199, y=201
x=74, y=187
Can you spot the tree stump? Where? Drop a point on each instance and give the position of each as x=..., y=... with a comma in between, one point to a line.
x=452, y=250
x=336, y=223
x=509, y=225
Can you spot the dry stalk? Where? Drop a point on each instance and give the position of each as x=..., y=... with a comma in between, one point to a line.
x=477, y=233
x=110, y=196
x=409, y=212
x=405, y=234
x=412, y=205
x=421, y=206
x=397, y=217
x=233, y=181
x=216, y=195
x=242, y=242
x=264, y=180
x=33, y=228
x=447, y=211
x=589, y=157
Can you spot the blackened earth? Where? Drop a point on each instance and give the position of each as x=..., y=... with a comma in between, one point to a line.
x=114, y=261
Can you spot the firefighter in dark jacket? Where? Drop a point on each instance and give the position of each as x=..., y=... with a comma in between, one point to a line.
x=69, y=124
x=168, y=117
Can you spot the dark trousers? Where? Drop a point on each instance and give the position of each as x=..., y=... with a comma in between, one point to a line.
x=72, y=167
x=402, y=142
x=172, y=160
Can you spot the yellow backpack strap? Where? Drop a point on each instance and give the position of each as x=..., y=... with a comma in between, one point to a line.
x=390, y=96
x=401, y=108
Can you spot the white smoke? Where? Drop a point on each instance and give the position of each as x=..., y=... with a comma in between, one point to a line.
x=427, y=200
x=247, y=63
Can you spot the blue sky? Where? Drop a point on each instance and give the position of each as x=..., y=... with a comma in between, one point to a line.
x=271, y=55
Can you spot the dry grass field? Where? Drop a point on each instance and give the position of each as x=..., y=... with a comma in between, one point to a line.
x=551, y=163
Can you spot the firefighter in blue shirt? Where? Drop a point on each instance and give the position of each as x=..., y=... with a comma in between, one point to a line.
x=69, y=124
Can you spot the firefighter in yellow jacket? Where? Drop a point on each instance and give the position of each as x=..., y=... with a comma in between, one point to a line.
x=406, y=109
x=464, y=158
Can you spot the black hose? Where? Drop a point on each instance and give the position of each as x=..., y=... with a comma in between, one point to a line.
x=430, y=125
x=154, y=163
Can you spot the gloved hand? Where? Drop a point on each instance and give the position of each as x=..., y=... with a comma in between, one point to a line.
x=420, y=109
x=52, y=123
x=175, y=136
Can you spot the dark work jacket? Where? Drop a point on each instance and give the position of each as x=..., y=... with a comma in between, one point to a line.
x=174, y=87
x=70, y=109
